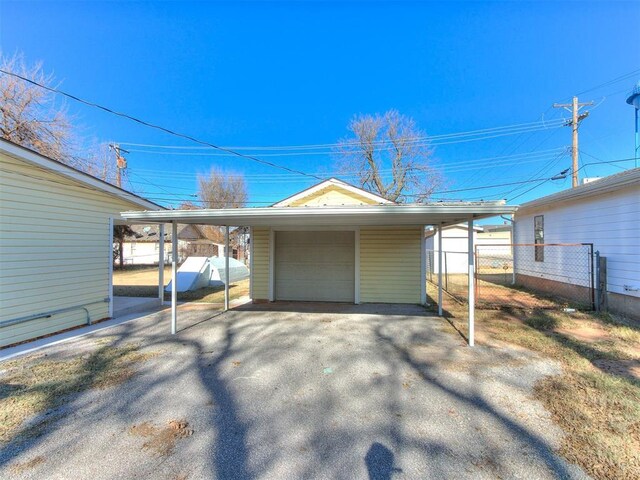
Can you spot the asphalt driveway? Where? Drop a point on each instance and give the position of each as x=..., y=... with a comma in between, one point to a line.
x=301, y=391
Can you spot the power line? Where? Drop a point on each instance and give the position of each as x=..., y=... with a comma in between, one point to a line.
x=309, y=152
x=450, y=164
x=444, y=192
x=612, y=163
x=625, y=76
x=581, y=168
x=157, y=127
x=545, y=168
x=427, y=139
x=347, y=176
x=452, y=191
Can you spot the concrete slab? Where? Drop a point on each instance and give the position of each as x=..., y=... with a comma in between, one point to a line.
x=126, y=305
x=319, y=391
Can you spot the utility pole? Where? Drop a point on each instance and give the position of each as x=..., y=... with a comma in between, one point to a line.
x=121, y=162
x=574, y=107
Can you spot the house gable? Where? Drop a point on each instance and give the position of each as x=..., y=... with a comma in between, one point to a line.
x=332, y=192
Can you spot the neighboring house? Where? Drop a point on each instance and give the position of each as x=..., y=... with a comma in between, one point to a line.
x=55, y=244
x=604, y=212
x=455, y=246
x=143, y=247
x=495, y=235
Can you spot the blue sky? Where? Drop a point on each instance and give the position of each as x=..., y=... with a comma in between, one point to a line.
x=269, y=74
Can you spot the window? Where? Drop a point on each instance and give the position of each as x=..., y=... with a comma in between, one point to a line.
x=538, y=237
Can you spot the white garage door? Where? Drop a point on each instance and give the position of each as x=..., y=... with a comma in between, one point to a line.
x=315, y=266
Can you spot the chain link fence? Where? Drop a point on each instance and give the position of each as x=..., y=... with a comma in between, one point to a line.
x=519, y=275
x=454, y=272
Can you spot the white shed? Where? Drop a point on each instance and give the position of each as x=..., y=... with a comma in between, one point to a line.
x=454, y=247
x=604, y=212
x=55, y=244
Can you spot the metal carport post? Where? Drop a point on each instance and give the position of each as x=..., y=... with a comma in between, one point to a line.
x=161, y=264
x=391, y=215
x=174, y=276
x=472, y=302
x=226, y=268
x=440, y=270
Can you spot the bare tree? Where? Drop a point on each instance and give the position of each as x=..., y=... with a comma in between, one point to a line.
x=100, y=162
x=187, y=205
x=120, y=234
x=30, y=116
x=390, y=157
x=221, y=190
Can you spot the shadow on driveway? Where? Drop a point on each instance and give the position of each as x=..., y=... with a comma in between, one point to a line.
x=316, y=391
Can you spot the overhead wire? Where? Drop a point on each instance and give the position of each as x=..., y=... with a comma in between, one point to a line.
x=625, y=76
x=305, y=153
x=160, y=197
x=417, y=139
x=448, y=166
x=154, y=126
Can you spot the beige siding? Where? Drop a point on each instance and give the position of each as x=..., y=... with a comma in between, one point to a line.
x=260, y=262
x=390, y=265
x=333, y=195
x=54, y=249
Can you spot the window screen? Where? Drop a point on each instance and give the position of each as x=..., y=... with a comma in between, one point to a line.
x=538, y=237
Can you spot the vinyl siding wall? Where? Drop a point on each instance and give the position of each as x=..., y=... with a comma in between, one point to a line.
x=390, y=264
x=332, y=196
x=609, y=221
x=260, y=263
x=54, y=249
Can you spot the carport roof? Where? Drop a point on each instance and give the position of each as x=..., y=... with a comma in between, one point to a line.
x=439, y=213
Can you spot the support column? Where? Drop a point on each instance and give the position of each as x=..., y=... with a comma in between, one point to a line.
x=174, y=277
x=251, y=263
x=111, y=267
x=272, y=256
x=161, y=264
x=513, y=249
x=226, y=269
x=357, y=267
x=472, y=303
x=440, y=270
x=423, y=267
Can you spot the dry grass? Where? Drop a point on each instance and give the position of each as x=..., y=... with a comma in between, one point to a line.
x=143, y=282
x=596, y=401
x=140, y=276
x=22, y=467
x=37, y=384
x=162, y=441
x=216, y=294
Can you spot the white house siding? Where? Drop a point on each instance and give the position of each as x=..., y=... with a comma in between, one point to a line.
x=144, y=253
x=610, y=221
x=54, y=249
x=455, y=247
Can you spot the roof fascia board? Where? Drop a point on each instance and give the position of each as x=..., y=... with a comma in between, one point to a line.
x=584, y=191
x=34, y=158
x=454, y=213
